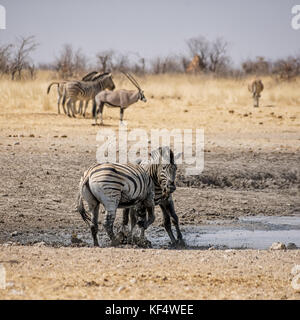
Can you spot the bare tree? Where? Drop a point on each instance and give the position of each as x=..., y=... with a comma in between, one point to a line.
x=70, y=63
x=21, y=56
x=169, y=64
x=105, y=60
x=121, y=62
x=5, y=56
x=211, y=56
x=259, y=66
x=79, y=62
x=199, y=46
x=218, y=55
x=287, y=69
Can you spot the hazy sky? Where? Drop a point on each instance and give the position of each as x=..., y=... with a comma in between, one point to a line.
x=151, y=28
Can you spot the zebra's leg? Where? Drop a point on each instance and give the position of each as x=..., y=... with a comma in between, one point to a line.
x=63, y=104
x=80, y=107
x=167, y=223
x=94, y=227
x=85, y=107
x=58, y=104
x=133, y=221
x=73, y=108
x=93, y=204
x=175, y=220
x=109, y=225
x=69, y=107
x=143, y=222
x=123, y=233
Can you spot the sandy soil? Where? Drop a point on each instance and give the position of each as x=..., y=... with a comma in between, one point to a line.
x=112, y=273
x=251, y=168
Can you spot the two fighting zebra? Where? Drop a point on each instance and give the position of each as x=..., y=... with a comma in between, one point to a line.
x=135, y=187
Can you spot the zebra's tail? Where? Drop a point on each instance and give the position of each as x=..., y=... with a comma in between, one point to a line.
x=50, y=85
x=80, y=207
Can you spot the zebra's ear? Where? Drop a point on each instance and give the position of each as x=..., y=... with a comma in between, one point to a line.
x=178, y=156
x=165, y=152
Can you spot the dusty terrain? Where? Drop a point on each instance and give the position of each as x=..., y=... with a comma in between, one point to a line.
x=114, y=273
x=252, y=159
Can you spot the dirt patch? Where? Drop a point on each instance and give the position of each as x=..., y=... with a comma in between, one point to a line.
x=110, y=273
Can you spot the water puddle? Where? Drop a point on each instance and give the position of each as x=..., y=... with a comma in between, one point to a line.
x=251, y=232
x=257, y=232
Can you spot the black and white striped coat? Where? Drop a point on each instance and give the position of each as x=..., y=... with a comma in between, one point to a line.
x=114, y=186
x=162, y=169
x=85, y=90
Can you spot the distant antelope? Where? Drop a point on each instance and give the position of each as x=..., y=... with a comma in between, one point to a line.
x=118, y=99
x=256, y=87
x=85, y=90
x=60, y=90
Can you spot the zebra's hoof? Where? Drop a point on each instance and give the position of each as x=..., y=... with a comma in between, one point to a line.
x=115, y=242
x=180, y=243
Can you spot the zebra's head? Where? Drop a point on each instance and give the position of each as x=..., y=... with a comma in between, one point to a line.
x=166, y=171
x=107, y=81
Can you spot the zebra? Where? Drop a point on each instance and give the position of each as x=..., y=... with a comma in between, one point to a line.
x=162, y=169
x=256, y=87
x=60, y=89
x=114, y=186
x=60, y=92
x=85, y=90
x=92, y=76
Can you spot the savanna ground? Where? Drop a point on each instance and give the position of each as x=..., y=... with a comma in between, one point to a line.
x=252, y=158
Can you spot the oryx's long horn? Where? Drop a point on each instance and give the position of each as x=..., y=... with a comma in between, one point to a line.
x=132, y=80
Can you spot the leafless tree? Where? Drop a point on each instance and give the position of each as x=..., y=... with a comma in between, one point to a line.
x=70, y=63
x=121, y=62
x=218, y=59
x=105, y=60
x=200, y=46
x=212, y=56
x=21, y=56
x=287, y=69
x=169, y=64
x=259, y=66
x=5, y=57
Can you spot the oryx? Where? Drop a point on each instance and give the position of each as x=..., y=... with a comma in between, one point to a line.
x=119, y=98
x=256, y=87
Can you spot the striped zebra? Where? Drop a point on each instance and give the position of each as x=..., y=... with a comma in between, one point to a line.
x=162, y=169
x=114, y=186
x=60, y=90
x=92, y=76
x=85, y=90
x=256, y=87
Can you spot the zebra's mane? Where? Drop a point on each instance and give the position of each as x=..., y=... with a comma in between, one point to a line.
x=89, y=76
x=94, y=75
x=162, y=153
x=102, y=75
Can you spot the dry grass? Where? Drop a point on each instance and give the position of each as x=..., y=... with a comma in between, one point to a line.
x=174, y=101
